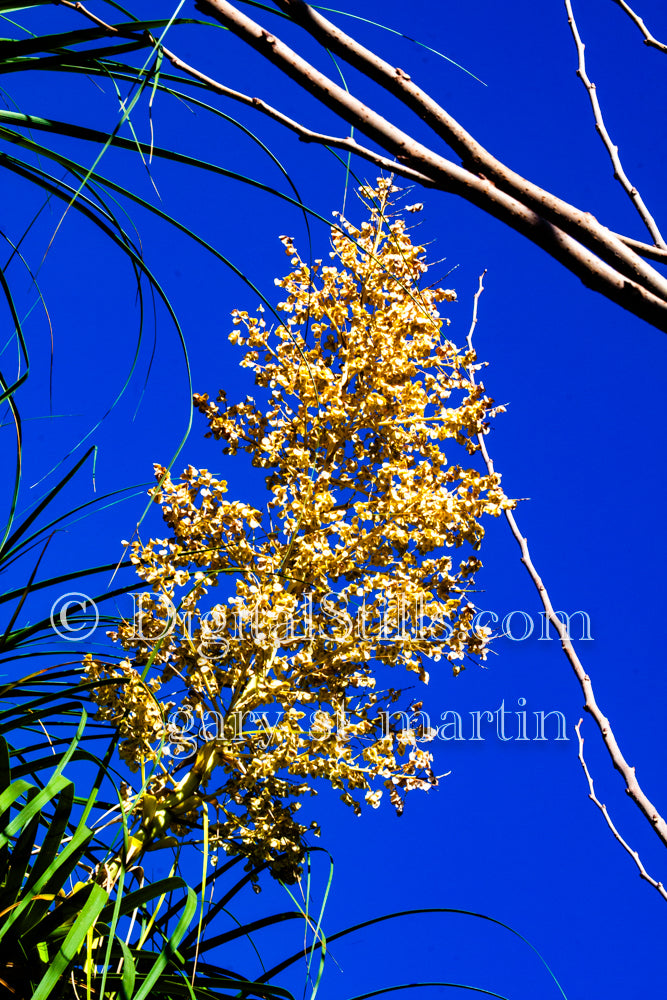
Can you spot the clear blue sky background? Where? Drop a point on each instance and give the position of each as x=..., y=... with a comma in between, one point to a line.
x=510, y=832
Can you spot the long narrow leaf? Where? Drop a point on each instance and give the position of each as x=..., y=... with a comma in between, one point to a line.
x=95, y=902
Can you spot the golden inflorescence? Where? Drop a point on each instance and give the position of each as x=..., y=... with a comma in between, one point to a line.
x=362, y=392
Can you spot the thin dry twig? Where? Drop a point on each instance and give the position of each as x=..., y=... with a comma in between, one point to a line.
x=475, y=306
x=87, y=13
x=619, y=172
x=603, y=809
x=632, y=786
x=649, y=39
x=305, y=134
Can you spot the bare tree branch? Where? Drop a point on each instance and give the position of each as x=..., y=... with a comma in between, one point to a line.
x=603, y=809
x=568, y=234
x=619, y=172
x=649, y=39
x=474, y=156
x=627, y=772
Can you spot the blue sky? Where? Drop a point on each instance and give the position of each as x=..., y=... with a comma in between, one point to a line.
x=510, y=832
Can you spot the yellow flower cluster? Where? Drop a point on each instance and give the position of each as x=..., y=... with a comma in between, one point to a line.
x=362, y=393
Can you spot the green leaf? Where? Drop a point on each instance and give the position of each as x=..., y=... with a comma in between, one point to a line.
x=69, y=949
x=170, y=946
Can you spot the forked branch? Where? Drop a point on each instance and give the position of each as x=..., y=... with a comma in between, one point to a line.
x=604, y=261
x=610, y=823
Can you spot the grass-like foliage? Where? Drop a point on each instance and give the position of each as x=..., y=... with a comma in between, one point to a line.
x=75, y=919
